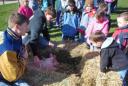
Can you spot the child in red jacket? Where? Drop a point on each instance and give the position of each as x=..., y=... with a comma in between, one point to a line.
x=121, y=33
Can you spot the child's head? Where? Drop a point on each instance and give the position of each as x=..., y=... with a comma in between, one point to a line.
x=19, y=23
x=24, y=2
x=100, y=15
x=89, y=2
x=89, y=5
x=122, y=19
x=71, y=4
x=50, y=13
x=88, y=8
x=103, y=7
x=97, y=38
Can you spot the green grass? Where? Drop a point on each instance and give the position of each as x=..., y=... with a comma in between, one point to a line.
x=122, y=7
x=6, y=10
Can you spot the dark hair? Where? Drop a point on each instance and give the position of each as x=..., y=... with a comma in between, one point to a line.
x=16, y=18
x=72, y=4
x=99, y=14
x=97, y=36
x=51, y=11
x=124, y=15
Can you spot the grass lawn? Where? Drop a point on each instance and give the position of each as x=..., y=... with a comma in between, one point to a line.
x=5, y=11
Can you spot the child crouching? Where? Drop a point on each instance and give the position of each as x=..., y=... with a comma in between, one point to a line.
x=112, y=57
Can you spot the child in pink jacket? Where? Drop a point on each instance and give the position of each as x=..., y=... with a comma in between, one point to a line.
x=87, y=15
x=24, y=9
x=99, y=23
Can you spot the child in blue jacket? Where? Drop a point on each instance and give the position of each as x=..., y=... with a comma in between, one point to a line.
x=71, y=19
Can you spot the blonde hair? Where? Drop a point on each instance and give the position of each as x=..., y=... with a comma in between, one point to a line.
x=22, y=1
x=89, y=3
x=124, y=15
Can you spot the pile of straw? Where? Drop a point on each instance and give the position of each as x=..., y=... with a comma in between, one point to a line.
x=67, y=72
x=91, y=75
x=78, y=67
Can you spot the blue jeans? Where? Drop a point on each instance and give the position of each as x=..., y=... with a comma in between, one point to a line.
x=82, y=38
x=42, y=41
x=122, y=74
x=58, y=18
x=109, y=8
x=17, y=83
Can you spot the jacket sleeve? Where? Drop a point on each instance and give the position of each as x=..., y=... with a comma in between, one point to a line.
x=11, y=67
x=115, y=34
x=105, y=29
x=104, y=60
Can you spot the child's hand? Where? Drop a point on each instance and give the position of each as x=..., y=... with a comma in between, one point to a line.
x=51, y=44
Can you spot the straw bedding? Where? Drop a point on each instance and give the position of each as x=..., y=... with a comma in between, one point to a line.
x=91, y=75
x=78, y=67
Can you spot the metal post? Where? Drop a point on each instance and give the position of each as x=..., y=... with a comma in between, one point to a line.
x=3, y=1
x=19, y=3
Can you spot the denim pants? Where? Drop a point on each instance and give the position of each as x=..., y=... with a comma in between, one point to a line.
x=42, y=41
x=109, y=8
x=122, y=74
x=17, y=83
x=58, y=18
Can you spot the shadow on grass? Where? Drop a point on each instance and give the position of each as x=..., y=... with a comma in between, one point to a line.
x=113, y=23
x=110, y=34
x=120, y=10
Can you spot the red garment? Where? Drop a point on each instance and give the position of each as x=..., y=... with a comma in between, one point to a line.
x=26, y=11
x=91, y=13
x=81, y=31
x=117, y=32
x=121, y=36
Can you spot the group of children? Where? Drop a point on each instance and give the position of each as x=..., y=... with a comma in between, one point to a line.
x=114, y=49
x=89, y=23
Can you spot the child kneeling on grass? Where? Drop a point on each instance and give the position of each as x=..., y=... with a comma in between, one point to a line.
x=112, y=57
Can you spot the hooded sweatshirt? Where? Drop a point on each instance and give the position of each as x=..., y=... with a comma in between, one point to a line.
x=112, y=57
